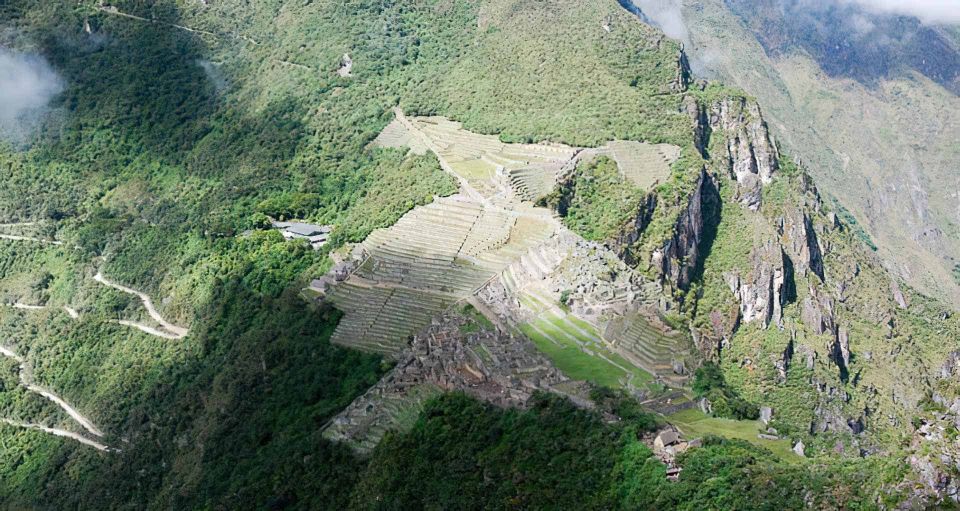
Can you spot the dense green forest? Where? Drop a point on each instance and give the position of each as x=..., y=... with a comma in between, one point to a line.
x=183, y=126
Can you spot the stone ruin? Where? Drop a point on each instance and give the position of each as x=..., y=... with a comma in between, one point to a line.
x=453, y=353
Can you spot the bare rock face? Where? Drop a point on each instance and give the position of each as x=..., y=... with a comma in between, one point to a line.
x=829, y=417
x=763, y=293
x=840, y=352
x=678, y=257
x=898, y=295
x=752, y=157
x=700, y=123
x=951, y=366
x=633, y=231
x=682, y=79
x=801, y=239
x=809, y=356
x=817, y=312
x=783, y=363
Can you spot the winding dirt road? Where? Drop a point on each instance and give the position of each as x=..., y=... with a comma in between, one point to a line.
x=28, y=238
x=58, y=432
x=172, y=331
x=26, y=381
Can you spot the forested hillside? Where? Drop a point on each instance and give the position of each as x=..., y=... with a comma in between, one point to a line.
x=183, y=128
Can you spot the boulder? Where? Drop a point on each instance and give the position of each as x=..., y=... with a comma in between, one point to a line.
x=766, y=413
x=798, y=448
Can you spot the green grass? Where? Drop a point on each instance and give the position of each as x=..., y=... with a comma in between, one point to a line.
x=598, y=201
x=576, y=364
x=695, y=423
x=474, y=170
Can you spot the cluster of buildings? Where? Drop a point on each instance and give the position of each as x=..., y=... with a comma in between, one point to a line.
x=317, y=235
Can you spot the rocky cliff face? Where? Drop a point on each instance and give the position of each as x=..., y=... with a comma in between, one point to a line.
x=766, y=288
x=798, y=234
x=678, y=258
x=751, y=157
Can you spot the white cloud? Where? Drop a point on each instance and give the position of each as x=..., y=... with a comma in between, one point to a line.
x=666, y=15
x=27, y=83
x=942, y=12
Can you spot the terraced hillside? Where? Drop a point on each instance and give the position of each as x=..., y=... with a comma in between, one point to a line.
x=443, y=252
x=576, y=346
x=460, y=350
x=435, y=255
x=183, y=125
x=655, y=348
x=642, y=164
x=569, y=296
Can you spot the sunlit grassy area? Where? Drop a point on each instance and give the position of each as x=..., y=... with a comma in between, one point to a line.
x=560, y=345
x=694, y=423
x=575, y=363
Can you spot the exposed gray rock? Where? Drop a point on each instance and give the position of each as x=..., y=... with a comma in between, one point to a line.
x=783, y=364
x=705, y=406
x=700, y=123
x=898, y=295
x=633, y=231
x=766, y=413
x=682, y=78
x=679, y=256
x=801, y=240
x=799, y=448
x=752, y=157
x=951, y=366
x=678, y=367
x=765, y=291
x=840, y=351
x=817, y=311
x=809, y=356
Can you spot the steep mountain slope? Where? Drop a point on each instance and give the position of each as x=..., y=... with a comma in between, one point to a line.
x=866, y=101
x=185, y=127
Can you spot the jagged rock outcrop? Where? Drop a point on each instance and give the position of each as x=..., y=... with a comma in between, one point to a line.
x=678, y=258
x=700, y=124
x=752, y=158
x=800, y=238
x=818, y=311
x=783, y=363
x=682, y=79
x=840, y=352
x=635, y=229
x=764, y=291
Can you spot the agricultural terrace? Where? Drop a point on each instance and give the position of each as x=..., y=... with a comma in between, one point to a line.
x=575, y=346
x=441, y=253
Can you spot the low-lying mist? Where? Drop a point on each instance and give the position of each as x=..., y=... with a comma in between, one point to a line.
x=27, y=84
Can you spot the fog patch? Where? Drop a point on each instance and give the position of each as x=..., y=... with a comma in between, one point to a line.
x=666, y=15
x=214, y=74
x=27, y=84
x=934, y=12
